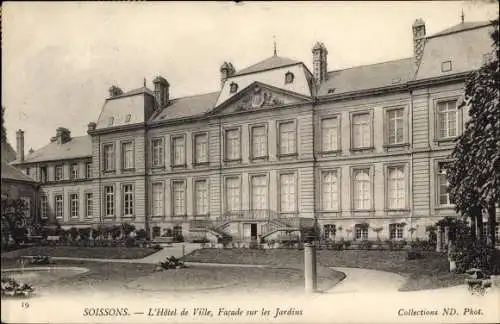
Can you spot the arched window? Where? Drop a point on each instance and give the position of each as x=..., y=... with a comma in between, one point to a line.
x=289, y=77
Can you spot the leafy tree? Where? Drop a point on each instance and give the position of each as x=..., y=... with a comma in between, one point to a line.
x=474, y=173
x=14, y=219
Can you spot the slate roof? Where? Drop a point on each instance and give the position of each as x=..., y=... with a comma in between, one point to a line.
x=463, y=45
x=368, y=77
x=187, y=106
x=267, y=64
x=11, y=173
x=77, y=147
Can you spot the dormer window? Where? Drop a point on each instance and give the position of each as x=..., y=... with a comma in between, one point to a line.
x=127, y=118
x=233, y=87
x=111, y=120
x=446, y=66
x=289, y=77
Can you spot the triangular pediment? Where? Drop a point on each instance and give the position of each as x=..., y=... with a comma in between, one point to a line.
x=259, y=96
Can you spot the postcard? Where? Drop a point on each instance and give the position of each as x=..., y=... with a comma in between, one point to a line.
x=250, y=162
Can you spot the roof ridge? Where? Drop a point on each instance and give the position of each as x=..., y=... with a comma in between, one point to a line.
x=195, y=95
x=364, y=65
x=469, y=25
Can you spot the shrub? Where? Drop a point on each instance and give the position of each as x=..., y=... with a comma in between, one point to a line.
x=130, y=242
x=413, y=255
x=477, y=255
x=115, y=231
x=157, y=247
x=179, y=238
x=84, y=233
x=172, y=263
x=12, y=288
x=128, y=228
x=73, y=232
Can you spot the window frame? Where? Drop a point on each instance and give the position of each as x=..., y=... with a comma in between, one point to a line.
x=437, y=185
x=106, y=168
x=195, y=196
x=387, y=168
x=56, y=168
x=225, y=143
x=122, y=152
x=339, y=133
x=363, y=229
x=161, y=154
x=238, y=179
x=371, y=187
x=124, y=197
x=387, y=111
x=437, y=118
x=398, y=228
x=87, y=214
x=195, y=136
x=88, y=170
x=173, y=207
x=62, y=206
x=105, y=200
x=71, y=196
x=279, y=124
x=294, y=173
x=252, y=128
x=173, y=139
x=74, y=167
x=162, y=199
x=321, y=172
x=251, y=199
x=44, y=206
x=353, y=115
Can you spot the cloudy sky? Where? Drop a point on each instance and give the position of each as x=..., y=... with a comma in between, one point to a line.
x=59, y=59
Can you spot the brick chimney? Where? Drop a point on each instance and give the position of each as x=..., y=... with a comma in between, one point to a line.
x=91, y=127
x=63, y=135
x=418, y=39
x=114, y=91
x=20, y=145
x=161, y=91
x=226, y=70
x=320, y=69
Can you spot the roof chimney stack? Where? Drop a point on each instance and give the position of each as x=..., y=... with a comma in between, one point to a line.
x=161, y=91
x=418, y=40
x=227, y=70
x=91, y=127
x=320, y=69
x=20, y=145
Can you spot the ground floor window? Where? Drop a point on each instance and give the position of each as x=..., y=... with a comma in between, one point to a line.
x=361, y=232
x=396, y=231
x=177, y=231
x=329, y=231
x=156, y=231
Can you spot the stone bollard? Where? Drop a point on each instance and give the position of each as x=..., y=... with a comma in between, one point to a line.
x=310, y=273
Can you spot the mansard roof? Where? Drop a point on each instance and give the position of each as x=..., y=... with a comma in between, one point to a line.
x=367, y=77
x=272, y=62
x=76, y=147
x=11, y=173
x=187, y=107
x=463, y=46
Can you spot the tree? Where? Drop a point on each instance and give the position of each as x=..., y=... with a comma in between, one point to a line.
x=474, y=173
x=15, y=220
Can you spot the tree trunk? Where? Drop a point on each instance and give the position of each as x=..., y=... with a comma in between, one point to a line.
x=480, y=228
x=473, y=227
x=491, y=224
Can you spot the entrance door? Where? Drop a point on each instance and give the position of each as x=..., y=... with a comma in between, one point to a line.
x=253, y=231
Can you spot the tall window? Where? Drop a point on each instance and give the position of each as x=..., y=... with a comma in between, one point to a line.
x=74, y=171
x=59, y=206
x=27, y=204
x=88, y=170
x=43, y=174
x=89, y=205
x=201, y=197
x=396, y=231
x=447, y=118
x=259, y=141
x=157, y=145
x=329, y=231
x=74, y=206
x=361, y=232
x=179, y=196
x=444, y=195
x=109, y=201
x=330, y=190
x=233, y=194
x=361, y=130
x=158, y=199
x=178, y=151
x=396, y=189
x=361, y=189
x=201, y=148
x=395, y=126
x=44, y=206
x=59, y=172
x=288, y=199
x=233, y=144
x=287, y=138
x=128, y=200
x=127, y=155
x=109, y=157
x=329, y=134
x=259, y=192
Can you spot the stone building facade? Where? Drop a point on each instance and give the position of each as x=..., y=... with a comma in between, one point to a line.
x=361, y=151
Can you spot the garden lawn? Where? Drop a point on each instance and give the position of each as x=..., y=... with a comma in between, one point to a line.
x=432, y=271
x=82, y=252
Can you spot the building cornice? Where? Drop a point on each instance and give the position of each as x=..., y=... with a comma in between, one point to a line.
x=114, y=129
x=442, y=79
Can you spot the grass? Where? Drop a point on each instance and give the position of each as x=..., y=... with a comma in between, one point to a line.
x=82, y=252
x=428, y=273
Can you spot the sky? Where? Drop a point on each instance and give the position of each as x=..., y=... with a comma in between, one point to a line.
x=60, y=58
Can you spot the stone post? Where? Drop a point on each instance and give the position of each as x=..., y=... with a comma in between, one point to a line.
x=439, y=247
x=310, y=273
x=446, y=236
